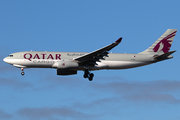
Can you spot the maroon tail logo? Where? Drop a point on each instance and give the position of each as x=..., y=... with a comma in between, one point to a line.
x=164, y=45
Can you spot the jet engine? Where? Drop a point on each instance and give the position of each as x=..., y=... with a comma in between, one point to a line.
x=67, y=67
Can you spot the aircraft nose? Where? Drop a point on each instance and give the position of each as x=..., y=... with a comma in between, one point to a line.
x=5, y=60
x=8, y=60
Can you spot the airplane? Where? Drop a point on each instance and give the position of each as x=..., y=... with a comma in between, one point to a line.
x=68, y=63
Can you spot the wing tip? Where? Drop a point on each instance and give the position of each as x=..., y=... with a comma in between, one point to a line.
x=119, y=40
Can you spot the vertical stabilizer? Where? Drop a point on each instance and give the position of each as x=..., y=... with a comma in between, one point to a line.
x=163, y=44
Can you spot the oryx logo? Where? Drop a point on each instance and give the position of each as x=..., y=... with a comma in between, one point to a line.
x=165, y=44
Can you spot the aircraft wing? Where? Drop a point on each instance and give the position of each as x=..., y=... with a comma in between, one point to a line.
x=98, y=54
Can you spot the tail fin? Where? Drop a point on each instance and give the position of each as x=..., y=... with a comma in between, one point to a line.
x=163, y=44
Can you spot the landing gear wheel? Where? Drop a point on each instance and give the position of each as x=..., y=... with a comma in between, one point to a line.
x=90, y=78
x=88, y=75
x=22, y=73
x=92, y=75
x=85, y=76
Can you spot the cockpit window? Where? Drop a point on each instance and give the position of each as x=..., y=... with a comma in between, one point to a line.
x=10, y=55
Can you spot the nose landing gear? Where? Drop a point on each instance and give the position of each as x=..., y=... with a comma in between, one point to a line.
x=88, y=75
x=22, y=73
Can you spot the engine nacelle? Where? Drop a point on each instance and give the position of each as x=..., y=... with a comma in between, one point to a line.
x=66, y=67
x=67, y=64
x=66, y=72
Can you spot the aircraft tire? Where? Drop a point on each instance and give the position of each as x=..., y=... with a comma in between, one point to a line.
x=22, y=73
x=90, y=78
x=85, y=76
x=92, y=75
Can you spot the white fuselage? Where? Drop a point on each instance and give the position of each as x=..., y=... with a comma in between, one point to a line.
x=33, y=59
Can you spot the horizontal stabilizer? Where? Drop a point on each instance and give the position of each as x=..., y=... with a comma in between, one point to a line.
x=164, y=56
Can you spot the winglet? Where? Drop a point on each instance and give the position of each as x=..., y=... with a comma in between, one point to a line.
x=119, y=40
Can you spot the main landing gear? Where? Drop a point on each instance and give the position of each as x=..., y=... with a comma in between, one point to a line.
x=22, y=73
x=88, y=75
